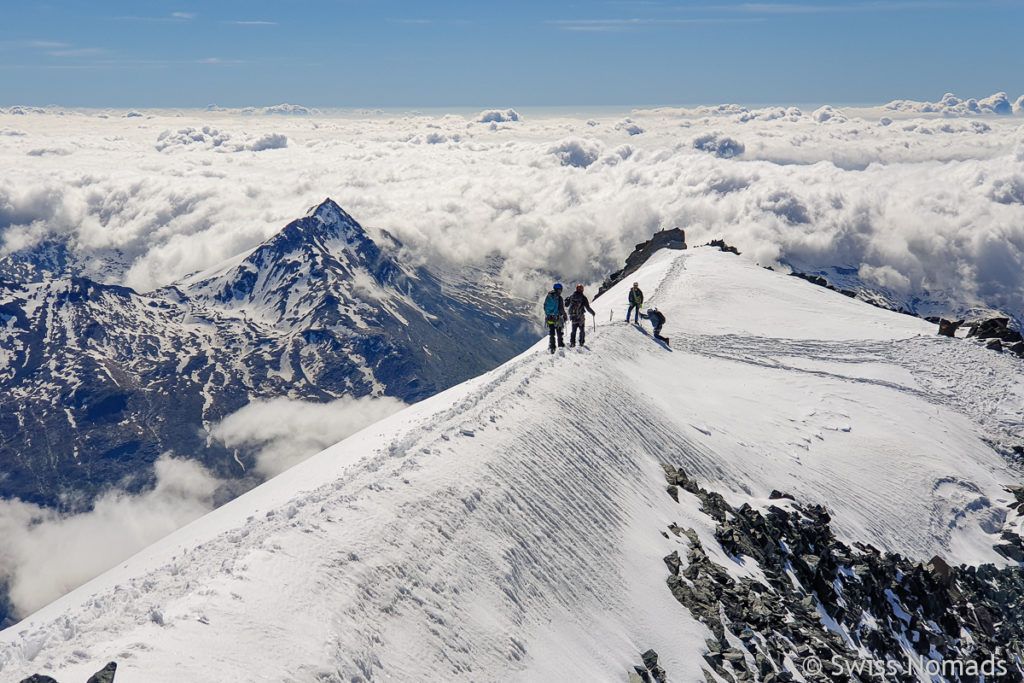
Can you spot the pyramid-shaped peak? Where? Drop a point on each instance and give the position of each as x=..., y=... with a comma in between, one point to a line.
x=329, y=212
x=327, y=219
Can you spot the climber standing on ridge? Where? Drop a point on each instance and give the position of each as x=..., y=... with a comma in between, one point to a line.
x=657, y=319
x=554, y=315
x=578, y=305
x=636, y=300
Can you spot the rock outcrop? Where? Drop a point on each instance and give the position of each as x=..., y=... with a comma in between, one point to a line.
x=104, y=675
x=825, y=609
x=663, y=239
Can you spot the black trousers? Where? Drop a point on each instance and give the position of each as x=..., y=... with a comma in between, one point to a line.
x=580, y=325
x=552, y=330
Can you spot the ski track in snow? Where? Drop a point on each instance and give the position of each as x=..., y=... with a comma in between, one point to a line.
x=510, y=527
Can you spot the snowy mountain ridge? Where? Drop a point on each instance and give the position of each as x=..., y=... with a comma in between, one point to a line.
x=517, y=527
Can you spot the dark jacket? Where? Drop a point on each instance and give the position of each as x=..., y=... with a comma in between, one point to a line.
x=578, y=305
x=656, y=317
x=636, y=296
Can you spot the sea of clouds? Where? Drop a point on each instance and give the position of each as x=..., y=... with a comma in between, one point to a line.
x=924, y=199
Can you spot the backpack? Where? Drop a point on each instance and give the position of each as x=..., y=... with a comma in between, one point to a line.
x=575, y=306
x=551, y=305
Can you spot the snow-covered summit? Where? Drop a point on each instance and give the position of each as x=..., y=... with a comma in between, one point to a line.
x=286, y=280
x=514, y=527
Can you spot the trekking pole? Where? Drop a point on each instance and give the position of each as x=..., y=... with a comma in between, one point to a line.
x=593, y=317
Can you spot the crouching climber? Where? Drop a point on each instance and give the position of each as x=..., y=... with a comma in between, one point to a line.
x=657, y=319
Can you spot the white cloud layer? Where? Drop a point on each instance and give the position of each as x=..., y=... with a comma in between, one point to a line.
x=46, y=554
x=951, y=105
x=927, y=200
x=286, y=432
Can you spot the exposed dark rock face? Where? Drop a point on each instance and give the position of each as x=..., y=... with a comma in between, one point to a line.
x=822, y=282
x=909, y=616
x=1000, y=336
x=948, y=328
x=663, y=239
x=994, y=328
x=104, y=675
x=650, y=672
x=721, y=245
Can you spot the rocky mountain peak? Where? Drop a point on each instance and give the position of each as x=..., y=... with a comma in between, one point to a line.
x=329, y=219
x=663, y=239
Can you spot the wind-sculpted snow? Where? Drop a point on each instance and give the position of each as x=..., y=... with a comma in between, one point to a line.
x=513, y=527
x=929, y=198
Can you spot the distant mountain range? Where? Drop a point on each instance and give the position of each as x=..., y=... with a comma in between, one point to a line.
x=97, y=381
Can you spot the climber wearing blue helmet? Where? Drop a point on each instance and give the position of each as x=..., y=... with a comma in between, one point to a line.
x=554, y=315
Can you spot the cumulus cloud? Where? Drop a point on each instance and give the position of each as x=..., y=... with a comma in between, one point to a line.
x=927, y=195
x=210, y=138
x=268, y=141
x=576, y=152
x=276, y=110
x=206, y=137
x=629, y=126
x=885, y=277
x=720, y=145
x=44, y=151
x=19, y=110
x=46, y=554
x=284, y=432
x=828, y=113
x=498, y=116
x=282, y=110
x=951, y=105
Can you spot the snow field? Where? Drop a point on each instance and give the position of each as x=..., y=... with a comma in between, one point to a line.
x=511, y=528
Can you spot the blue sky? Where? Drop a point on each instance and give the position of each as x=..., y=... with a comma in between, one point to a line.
x=394, y=53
